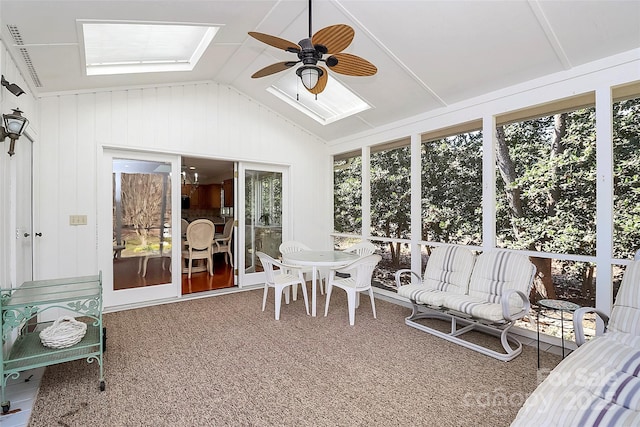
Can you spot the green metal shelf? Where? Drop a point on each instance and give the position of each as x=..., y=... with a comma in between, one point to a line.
x=28, y=352
x=19, y=308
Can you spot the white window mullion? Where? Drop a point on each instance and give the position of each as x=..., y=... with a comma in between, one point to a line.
x=416, y=204
x=604, y=199
x=366, y=192
x=488, y=182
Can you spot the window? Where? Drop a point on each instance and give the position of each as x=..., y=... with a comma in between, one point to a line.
x=626, y=169
x=546, y=196
x=546, y=183
x=120, y=47
x=452, y=188
x=391, y=191
x=347, y=193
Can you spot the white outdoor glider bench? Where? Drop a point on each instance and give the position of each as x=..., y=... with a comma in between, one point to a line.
x=597, y=384
x=487, y=292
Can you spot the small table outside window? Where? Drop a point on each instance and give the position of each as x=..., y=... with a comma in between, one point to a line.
x=558, y=305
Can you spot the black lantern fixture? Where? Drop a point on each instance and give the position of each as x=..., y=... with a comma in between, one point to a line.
x=13, y=126
x=12, y=87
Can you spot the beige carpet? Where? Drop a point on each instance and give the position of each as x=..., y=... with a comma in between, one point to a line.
x=221, y=361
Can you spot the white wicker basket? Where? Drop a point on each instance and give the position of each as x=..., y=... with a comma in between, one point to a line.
x=65, y=332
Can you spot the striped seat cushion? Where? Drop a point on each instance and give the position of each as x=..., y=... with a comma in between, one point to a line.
x=416, y=293
x=448, y=271
x=494, y=273
x=625, y=315
x=598, y=384
x=477, y=307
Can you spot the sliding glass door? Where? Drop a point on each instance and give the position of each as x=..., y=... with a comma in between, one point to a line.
x=263, y=190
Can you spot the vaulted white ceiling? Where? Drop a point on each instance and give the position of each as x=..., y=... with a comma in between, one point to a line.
x=429, y=54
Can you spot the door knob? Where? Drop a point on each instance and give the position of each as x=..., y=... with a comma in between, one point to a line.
x=39, y=234
x=27, y=234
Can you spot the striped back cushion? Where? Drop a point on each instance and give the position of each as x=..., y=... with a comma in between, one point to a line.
x=449, y=269
x=625, y=316
x=496, y=271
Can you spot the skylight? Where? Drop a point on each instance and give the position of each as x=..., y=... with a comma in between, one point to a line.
x=334, y=103
x=143, y=47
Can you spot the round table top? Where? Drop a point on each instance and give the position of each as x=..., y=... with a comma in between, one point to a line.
x=559, y=304
x=320, y=258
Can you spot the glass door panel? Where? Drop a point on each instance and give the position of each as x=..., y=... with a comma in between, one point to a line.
x=263, y=215
x=141, y=223
x=263, y=191
x=141, y=206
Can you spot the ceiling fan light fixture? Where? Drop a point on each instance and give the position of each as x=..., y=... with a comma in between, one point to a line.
x=330, y=40
x=309, y=75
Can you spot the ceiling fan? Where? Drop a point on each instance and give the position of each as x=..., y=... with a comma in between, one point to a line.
x=330, y=41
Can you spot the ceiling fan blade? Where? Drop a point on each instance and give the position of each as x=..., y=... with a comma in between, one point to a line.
x=351, y=65
x=273, y=68
x=322, y=82
x=335, y=38
x=275, y=42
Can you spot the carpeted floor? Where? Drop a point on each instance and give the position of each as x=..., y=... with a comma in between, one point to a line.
x=221, y=361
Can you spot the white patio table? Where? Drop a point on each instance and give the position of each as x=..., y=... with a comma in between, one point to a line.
x=318, y=259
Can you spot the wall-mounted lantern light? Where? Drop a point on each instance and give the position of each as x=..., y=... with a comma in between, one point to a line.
x=13, y=126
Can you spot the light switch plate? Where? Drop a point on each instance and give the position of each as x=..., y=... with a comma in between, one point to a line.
x=77, y=220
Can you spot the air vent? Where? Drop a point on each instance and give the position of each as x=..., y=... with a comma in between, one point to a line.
x=17, y=38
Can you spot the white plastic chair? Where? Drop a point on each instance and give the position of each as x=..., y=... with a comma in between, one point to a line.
x=360, y=281
x=362, y=249
x=291, y=246
x=222, y=244
x=199, y=238
x=280, y=281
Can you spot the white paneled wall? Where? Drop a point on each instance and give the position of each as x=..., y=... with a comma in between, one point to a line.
x=200, y=119
x=9, y=167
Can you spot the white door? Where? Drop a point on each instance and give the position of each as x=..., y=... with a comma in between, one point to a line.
x=139, y=209
x=264, y=215
x=23, y=162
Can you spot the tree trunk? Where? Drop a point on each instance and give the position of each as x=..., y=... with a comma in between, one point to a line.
x=394, y=248
x=543, y=285
x=508, y=174
x=143, y=235
x=588, y=288
x=557, y=149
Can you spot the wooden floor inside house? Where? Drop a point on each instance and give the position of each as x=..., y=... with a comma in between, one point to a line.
x=128, y=273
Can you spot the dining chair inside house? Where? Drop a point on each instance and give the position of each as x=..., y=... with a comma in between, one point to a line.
x=359, y=281
x=222, y=243
x=227, y=227
x=281, y=280
x=362, y=249
x=291, y=246
x=199, y=240
x=183, y=232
